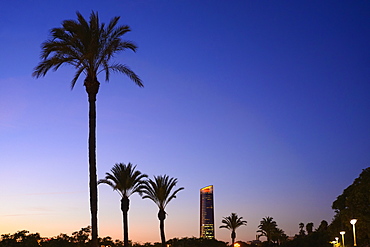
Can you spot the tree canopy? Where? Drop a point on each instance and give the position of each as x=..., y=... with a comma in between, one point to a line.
x=354, y=203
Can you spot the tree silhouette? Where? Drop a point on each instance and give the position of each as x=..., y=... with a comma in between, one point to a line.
x=323, y=226
x=354, y=203
x=160, y=192
x=232, y=222
x=195, y=242
x=81, y=237
x=301, y=231
x=278, y=236
x=20, y=238
x=267, y=227
x=126, y=181
x=89, y=47
x=309, y=228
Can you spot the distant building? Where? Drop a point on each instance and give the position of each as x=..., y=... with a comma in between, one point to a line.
x=207, y=213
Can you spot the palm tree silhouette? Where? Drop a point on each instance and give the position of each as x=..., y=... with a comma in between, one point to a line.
x=159, y=191
x=267, y=227
x=301, y=231
x=232, y=222
x=126, y=181
x=309, y=228
x=89, y=47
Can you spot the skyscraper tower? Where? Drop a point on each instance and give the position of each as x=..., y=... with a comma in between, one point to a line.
x=206, y=213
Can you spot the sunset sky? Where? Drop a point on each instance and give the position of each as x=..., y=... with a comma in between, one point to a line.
x=268, y=101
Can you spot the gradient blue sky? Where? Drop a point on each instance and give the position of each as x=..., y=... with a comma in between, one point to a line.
x=269, y=101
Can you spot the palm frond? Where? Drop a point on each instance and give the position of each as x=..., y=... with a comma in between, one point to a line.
x=127, y=71
x=124, y=45
x=77, y=75
x=113, y=22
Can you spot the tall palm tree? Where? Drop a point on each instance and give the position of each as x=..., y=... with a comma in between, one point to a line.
x=126, y=181
x=267, y=227
x=89, y=47
x=160, y=192
x=232, y=222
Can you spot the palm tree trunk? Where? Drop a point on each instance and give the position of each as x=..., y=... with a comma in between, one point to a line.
x=233, y=236
x=125, y=204
x=162, y=217
x=92, y=87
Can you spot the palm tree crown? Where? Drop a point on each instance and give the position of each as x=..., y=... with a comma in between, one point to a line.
x=87, y=46
x=159, y=190
x=233, y=221
x=125, y=179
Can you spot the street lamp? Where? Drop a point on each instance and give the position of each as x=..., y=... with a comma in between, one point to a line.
x=342, y=233
x=337, y=239
x=353, y=222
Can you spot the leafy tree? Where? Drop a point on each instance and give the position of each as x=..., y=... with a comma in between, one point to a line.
x=126, y=181
x=354, y=203
x=231, y=223
x=21, y=238
x=278, y=236
x=62, y=240
x=195, y=242
x=78, y=239
x=318, y=238
x=267, y=227
x=301, y=231
x=89, y=47
x=81, y=237
x=309, y=228
x=106, y=241
x=323, y=226
x=160, y=192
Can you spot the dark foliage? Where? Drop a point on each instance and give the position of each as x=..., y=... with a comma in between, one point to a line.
x=315, y=239
x=20, y=238
x=354, y=202
x=81, y=238
x=195, y=242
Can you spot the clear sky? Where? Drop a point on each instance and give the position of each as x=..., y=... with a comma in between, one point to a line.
x=269, y=101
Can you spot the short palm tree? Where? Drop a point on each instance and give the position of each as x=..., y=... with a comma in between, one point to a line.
x=232, y=222
x=278, y=236
x=160, y=192
x=309, y=228
x=267, y=227
x=301, y=231
x=126, y=181
x=89, y=47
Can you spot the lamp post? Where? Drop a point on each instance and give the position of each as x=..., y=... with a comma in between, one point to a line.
x=353, y=222
x=342, y=233
x=337, y=239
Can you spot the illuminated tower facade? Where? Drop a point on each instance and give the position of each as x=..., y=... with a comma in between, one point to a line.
x=206, y=213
